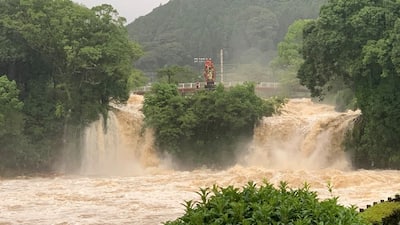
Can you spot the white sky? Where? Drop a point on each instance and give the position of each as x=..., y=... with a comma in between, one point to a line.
x=130, y=9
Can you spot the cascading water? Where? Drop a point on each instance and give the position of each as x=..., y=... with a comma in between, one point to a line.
x=134, y=186
x=102, y=147
x=118, y=147
x=305, y=135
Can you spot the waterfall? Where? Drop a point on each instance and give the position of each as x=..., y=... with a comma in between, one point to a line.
x=121, y=146
x=305, y=135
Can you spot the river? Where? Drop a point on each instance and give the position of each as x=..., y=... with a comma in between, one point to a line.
x=123, y=180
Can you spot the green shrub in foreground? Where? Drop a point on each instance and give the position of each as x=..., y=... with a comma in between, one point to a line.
x=265, y=204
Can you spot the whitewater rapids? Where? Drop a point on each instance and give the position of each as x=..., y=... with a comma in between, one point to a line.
x=156, y=197
x=123, y=181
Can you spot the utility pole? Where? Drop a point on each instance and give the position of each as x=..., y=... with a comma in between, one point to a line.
x=222, y=65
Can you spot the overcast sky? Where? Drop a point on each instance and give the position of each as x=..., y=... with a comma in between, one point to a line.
x=130, y=9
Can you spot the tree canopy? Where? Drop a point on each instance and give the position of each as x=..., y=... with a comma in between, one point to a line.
x=357, y=42
x=68, y=63
x=10, y=112
x=208, y=127
x=289, y=57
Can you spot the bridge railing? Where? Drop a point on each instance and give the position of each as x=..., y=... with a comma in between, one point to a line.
x=190, y=85
x=268, y=84
x=142, y=89
x=201, y=84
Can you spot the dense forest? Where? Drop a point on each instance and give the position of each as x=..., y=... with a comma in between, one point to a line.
x=247, y=30
x=60, y=66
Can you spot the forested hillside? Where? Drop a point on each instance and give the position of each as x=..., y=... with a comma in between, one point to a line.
x=247, y=30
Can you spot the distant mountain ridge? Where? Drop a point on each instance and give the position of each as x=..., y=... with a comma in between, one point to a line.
x=248, y=30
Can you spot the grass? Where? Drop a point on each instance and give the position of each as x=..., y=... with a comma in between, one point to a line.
x=376, y=213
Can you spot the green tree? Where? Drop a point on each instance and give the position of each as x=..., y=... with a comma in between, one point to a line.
x=159, y=110
x=177, y=74
x=206, y=127
x=68, y=61
x=356, y=42
x=136, y=79
x=12, y=121
x=289, y=58
x=289, y=50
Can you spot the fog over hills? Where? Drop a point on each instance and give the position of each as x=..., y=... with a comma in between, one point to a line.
x=247, y=30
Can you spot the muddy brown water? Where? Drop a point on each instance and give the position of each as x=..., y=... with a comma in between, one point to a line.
x=123, y=181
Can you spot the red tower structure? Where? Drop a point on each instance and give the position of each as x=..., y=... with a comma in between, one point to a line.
x=209, y=74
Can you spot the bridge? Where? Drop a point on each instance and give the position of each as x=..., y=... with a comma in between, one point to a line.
x=263, y=89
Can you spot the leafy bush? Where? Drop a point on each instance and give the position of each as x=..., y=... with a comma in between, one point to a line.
x=265, y=205
x=207, y=127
